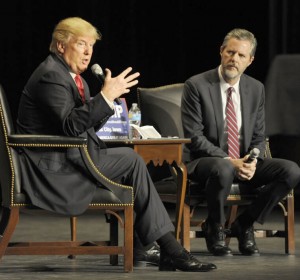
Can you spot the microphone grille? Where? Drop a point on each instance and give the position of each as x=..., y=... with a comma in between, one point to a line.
x=96, y=69
x=255, y=152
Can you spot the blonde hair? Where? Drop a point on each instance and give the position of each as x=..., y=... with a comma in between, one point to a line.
x=73, y=26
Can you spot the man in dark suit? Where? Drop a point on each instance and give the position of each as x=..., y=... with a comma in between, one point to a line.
x=56, y=100
x=208, y=156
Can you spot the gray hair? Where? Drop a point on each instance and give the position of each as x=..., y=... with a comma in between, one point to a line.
x=241, y=34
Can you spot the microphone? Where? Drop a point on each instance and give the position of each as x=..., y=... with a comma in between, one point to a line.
x=254, y=153
x=98, y=72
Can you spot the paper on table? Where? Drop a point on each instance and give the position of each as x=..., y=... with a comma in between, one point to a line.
x=147, y=131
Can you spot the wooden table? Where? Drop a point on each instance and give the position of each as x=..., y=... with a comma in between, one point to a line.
x=158, y=151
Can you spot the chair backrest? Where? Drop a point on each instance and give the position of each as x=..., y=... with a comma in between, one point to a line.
x=282, y=87
x=10, y=170
x=160, y=108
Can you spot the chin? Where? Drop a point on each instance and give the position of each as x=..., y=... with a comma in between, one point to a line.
x=231, y=74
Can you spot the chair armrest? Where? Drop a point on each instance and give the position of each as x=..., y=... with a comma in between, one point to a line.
x=121, y=192
x=23, y=140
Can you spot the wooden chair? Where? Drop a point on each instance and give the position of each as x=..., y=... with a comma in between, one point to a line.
x=160, y=107
x=13, y=199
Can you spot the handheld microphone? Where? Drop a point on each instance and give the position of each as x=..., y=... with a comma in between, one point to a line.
x=254, y=153
x=98, y=72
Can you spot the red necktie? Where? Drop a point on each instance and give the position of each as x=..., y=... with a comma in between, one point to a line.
x=233, y=133
x=79, y=85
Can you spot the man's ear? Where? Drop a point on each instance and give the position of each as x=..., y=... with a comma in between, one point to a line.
x=251, y=60
x=60, y=47
x=221, y=49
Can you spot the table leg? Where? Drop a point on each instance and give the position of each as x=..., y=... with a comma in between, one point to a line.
x=181, y=190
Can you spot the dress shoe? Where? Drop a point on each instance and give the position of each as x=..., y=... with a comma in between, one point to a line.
x=183, y=261
x=215, y=239
x=142, y=258
x=245, y=236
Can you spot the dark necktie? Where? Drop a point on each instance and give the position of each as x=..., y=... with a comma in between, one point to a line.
x=233, y=133
x=79, y=84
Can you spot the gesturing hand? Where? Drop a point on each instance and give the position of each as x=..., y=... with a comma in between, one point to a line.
x=114, y=87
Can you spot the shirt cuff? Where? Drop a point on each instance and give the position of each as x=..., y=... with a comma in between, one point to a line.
x=110, y=104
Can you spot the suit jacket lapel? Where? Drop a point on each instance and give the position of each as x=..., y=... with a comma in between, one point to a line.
x=245, y=107
x=216, y=98
x=86, y=90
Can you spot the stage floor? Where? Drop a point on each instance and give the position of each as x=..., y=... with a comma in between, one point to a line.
x=273, y=263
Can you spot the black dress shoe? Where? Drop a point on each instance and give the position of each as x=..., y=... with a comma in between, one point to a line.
x=245, y=236
x=143, y=258
x=184, y=261
x=215, y=239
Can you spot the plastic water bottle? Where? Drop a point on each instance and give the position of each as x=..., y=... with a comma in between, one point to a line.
x=135, y=117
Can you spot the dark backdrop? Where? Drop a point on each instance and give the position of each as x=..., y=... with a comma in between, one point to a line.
x=166, y=41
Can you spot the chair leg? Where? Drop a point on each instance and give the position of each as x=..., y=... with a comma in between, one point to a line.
x=73, y=225
x=289, y=226
x=114, y=240
x=127, y=223
x=4, y=214
x=128, y=239
x=186, y=227
x=9, y=221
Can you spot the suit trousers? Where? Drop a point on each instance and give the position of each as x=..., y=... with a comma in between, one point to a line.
x=123, y=165
x=274, y=178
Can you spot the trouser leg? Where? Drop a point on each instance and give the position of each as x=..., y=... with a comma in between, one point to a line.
x=127, y=167
x=278, y=177
x=216, y=176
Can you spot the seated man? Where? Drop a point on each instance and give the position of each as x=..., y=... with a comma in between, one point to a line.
x=56, y=101
x=223, y=113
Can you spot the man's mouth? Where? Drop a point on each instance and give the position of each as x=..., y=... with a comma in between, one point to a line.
x=231, y=67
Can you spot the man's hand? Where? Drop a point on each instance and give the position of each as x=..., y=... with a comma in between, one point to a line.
x=115, y=87
x=245, y=171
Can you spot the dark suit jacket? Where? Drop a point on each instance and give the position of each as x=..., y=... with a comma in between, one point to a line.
x=202, y=116
x=51, y=104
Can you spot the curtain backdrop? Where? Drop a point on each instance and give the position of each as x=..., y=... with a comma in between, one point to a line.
x=167, y=41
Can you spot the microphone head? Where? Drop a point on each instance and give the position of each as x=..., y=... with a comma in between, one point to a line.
x=255, y=152
x=97, y=70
